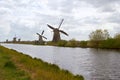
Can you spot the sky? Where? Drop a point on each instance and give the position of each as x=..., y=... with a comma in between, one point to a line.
x=24, y=18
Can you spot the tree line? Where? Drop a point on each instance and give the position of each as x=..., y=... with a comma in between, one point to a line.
x=102, y=39
x=97, y=39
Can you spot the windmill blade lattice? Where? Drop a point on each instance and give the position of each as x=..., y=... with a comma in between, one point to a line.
x=63, y=32
x=44, y=37
x=50, y=26
x=42, y=32
x=37, y=33
x=60, y=23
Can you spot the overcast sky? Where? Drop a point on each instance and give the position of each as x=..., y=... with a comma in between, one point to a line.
x=24, y=18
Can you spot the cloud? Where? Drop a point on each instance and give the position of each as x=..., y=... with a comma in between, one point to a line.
x=26, y=17
x=114, y=18
x=117, y=29
x=105, y=6
x=4, y=28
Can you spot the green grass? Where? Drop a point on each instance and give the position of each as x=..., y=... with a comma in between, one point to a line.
x=70, y=43
x=8, y=69
x=16, y=66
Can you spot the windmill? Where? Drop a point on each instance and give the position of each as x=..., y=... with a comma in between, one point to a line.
x=41, y=37
x=56, y=35
x=19, y=39
x=6, y=40
x=14, y=38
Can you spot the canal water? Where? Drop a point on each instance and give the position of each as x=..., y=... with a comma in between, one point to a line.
x=93, y=64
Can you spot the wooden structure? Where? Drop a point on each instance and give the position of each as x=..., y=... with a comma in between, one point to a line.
x=14, y=39
x=6, y=40
x=40, y=40
x=19, y=40
x=56, y=35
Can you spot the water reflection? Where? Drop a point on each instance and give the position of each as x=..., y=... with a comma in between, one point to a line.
x=93, y=64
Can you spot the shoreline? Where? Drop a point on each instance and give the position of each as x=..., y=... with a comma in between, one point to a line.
x=36, y=67
x=93, y=47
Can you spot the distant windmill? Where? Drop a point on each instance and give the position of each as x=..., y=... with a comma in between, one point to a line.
x=19, y=40
x=6, y=40
x=41, y=37
x=56, y=36
x=14, y=38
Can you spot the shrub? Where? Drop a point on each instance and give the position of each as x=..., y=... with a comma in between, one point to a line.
x=72, y=43
x=62, y=43
x=83, y=44
x=99, y=35
x=10, y=64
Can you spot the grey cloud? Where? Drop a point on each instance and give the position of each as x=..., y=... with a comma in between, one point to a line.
x=67, y=6
x=64, y=6
x=114, y=18
x=79, y=34
x=30, y=16
x=117, y=29
x=99, y=3
x=108, y=8
x=4, y=11
x=5, y=4
x=92, y=20
x=21, y=31
x=104, y=6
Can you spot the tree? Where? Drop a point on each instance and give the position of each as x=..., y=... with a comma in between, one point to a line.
x=99, y=35
x=117, y=36
x=106, y=34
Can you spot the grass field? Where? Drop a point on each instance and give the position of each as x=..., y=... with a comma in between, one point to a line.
x=17, y=66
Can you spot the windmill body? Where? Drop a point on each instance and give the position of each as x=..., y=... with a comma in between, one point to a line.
x=6, y=40
x=56, y=35
x=14, y=39
x=56, y=32
x=19, y=40
x=40, y=38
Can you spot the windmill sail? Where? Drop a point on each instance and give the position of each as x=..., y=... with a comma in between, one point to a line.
x=37, y=33
x=60, y=23
x=63, y=32
x=44, y=37
x=42, y=32
x=50, y=26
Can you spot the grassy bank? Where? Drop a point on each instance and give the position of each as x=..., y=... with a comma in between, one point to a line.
x=16, y=66
x=104, y=44
x=70, y=43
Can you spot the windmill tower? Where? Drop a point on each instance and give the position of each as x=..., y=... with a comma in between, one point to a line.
x=6, y=40
x=56, y=35
x=19, y=40
x=41, y=37
x=14, y=39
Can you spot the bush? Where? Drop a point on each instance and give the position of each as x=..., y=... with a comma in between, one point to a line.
x=10, y=64
x=62, y=43
x=83, y=43
x=117, y=36
x=99, y=35
x=72, y=43
x=51, y=43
